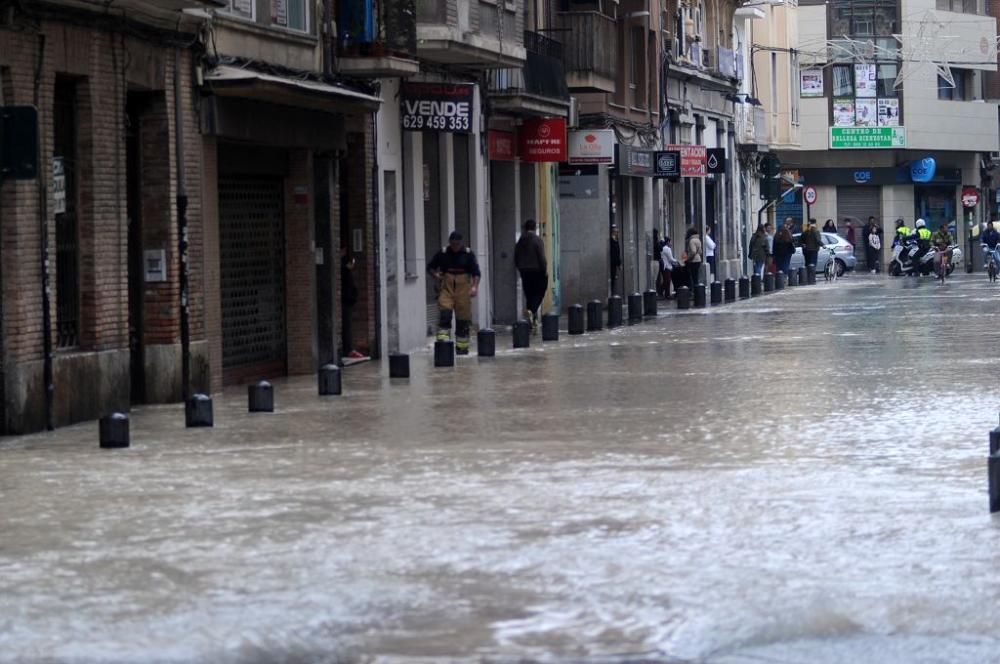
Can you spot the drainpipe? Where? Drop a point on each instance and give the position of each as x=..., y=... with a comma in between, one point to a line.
x=182, y=230
x=43, y=234
x=329, y=37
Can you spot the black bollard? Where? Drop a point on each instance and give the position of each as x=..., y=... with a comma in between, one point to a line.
x=811, y=275
x=756, y=285
x=113, y=431
x=522, y=334
x=575, y=325
x=615, y=311
x=444, y=353
x=793, y=278
x=744, y=288
x=198, y=411
x=634, y=308
x=399, y=365
x=594, y=315
x=550, y=327
x=802, y=281
x=993, y=472
x=729, y=290
x=260, y=397
x=649, y=303
x=715, y=291
x=486, y=343
x=995, y=442
x=683, y=298
x=779, y=281
x=330, y=380
x=768, y=283
x=699, y=297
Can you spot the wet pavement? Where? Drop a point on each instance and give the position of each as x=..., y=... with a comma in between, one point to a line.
x=798, y=478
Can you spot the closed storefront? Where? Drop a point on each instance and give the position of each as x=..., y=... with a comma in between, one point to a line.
x=857, y=203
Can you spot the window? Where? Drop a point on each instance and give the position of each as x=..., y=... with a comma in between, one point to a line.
x=794, y=87
x=962, y=89
x=291, y=14
x=65, y=180
x=241, y=8
x=959, y=6
x=887, y=79
x=843, y=81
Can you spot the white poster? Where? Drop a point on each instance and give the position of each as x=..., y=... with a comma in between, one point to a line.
x=279, y=12
x=888, y=112
x=58, y=186
x=864, y=81
x=811, y=83
x=865, y=113
x=594, y=146
x=243, y=8
x=843, y=112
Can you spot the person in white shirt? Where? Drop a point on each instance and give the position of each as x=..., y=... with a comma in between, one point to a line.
x=669, y=263
x=710, y=248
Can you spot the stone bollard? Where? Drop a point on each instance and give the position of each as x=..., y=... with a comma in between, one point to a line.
x=550, y=327
x=779, y=281
x=744, y=288
x=649, y=303
x=486, y=343
x=399, y=365
x=575, y=325
x=699, y=297
x=811, y=275
x=615, y=311
x=594, y=316
x=768, y=283
x=793, y=278
x=634, y=308
x=522, y=334
x=113, y=431
x=330, y=380
x=444, y=353
x=198, y=411
x=729, y=290
x=260, y=397
x=756, y=284
x=683, y=298
x=715, y=291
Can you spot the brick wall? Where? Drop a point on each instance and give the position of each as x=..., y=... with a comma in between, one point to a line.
x=360, y=201
x=300, y=267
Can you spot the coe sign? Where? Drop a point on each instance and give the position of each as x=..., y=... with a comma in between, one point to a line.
x=445, y=107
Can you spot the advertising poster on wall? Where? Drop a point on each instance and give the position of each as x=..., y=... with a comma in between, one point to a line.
x=811, y=83
x=843, y=112
x=888, y=112
x=864, y=81
x=865, y=113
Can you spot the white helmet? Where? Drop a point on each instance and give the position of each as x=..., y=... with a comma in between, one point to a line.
x=921, y=223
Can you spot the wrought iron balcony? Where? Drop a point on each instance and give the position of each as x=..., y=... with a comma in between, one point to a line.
x=591, y=50
x=539, y=87
x=377, y=37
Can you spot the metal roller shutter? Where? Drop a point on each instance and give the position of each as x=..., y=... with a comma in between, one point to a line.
x=857, y=203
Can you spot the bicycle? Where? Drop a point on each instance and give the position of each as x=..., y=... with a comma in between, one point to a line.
x=942, y=267
x=831, y=270
x=993, y=263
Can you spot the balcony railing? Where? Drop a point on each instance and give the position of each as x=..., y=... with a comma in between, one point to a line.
x=753, y=126
x=377, y=27
x=591, y=43
x=542, y=75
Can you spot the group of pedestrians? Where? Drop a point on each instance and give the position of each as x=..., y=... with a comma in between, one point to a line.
x=772, y=252
x=685, y=270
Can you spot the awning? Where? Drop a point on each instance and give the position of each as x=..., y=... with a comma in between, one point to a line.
x=229, y=81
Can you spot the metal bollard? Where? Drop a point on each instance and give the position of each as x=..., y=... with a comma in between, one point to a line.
x=260, y=397
x=444, y=353
x=113, y=431
x=649, y=303
x=811, y=275
x=756, y=284
x=486, y=343
x=793, y=278
x=198, y=411
x=699, y=296
x=993, y=476
x=575, y=325
x=995, y=441
x=768, y=283
x=683, y=298
x=802, y=276
x=634, y=308
x=399, y=365
x=550, y=327
x=615, y=311
x=779, y=281
x=729, y=290
x=330, y=380
x=715, y=291
x=594, y=316
x=522, y=334
x=744, y=288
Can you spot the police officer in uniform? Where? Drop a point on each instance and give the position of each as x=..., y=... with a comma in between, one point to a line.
x=457, y=274
x=902, y=233
x=923, y=240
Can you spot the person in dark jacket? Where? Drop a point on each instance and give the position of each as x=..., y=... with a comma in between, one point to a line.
x=615, y=256
x=529, y=259
x=456, y=271
x=811, y=243
x=784, y=247
x=348, y=298
x=758, y=250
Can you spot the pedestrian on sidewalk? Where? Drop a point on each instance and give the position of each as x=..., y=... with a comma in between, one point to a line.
x=348, y=298
x=873, y=245
x=769, y=234
x=670, y=267
x=710, y=250
x=695, y=256
x=811, y=242
x=758, y=251
x=830, y=226
x=529, y=259
x=784, y=247
x=849, y=234
x=615, y=257
x=456, y=272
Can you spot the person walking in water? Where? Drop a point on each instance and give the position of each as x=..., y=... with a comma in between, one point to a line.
x=529, y=259
x=693, y=247
x=456, y=271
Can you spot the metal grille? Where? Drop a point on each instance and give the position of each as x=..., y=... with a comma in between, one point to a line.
x=252, y=248
x=67, y=235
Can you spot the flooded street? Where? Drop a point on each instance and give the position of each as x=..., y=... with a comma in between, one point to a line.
x=798, y=478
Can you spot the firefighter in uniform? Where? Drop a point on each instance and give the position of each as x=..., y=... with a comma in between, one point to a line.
x=457, y=273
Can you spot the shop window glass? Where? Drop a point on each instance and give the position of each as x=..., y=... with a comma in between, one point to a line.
x=843, y=81
x=887, y=79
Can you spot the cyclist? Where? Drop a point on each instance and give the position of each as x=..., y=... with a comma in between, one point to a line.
x=941, y=241
x=902, y=233
x=990, y=240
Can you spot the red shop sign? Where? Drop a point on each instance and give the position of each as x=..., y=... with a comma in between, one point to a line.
x=694, y=160
x=543, y=140
x=502, y=146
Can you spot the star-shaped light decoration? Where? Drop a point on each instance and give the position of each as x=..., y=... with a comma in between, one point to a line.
x=927, y=46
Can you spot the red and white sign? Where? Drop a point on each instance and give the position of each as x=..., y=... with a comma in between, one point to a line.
x=694, y=159
x=543, y=140
x=595, y=146
x=502, y=145
x=970, y=197
x=809, y=195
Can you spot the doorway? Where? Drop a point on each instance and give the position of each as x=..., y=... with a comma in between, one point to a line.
x=136, y=276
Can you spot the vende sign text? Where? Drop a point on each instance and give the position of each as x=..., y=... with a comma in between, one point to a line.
x=543, y=140
x=445, y=107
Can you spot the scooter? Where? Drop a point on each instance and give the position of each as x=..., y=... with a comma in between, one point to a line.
x=902, y=263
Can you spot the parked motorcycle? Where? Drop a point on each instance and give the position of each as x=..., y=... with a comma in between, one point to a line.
x=905, y=263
